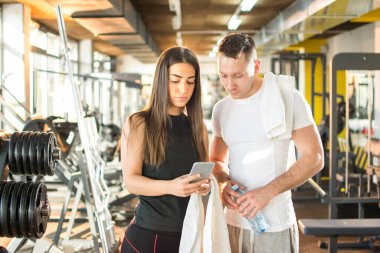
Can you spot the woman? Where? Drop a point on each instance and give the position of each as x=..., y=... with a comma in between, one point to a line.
x=158, y=148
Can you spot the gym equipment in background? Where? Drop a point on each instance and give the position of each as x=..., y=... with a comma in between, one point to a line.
x=24, y=206
x=335, y=227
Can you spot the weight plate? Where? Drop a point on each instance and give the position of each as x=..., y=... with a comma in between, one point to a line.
x=25, y=153
x=11, y=158
x=39, y=218
x=4, y=214
x=40, y=154
x=50, y=144
x=43, y=219
x=32, y=210
x=32, y=153
x=2, y=184
x=18, y=153
x=13, y=210
x=23, y=209
x=46, y=152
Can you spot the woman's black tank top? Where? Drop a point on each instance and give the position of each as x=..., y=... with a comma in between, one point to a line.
x=167, y=212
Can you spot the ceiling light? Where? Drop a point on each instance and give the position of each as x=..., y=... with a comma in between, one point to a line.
x=176, y=22
x=234, y=22
x=212, y=54
x=175, y=5
x=247, y=5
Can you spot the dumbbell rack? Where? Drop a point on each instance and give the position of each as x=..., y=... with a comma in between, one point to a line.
x=95, y=190
x=24, y=206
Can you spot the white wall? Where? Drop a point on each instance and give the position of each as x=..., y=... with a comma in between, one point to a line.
x=85, y=57
x=129, y=64
x=358, y=40
x=13, y=37
x=13, y=57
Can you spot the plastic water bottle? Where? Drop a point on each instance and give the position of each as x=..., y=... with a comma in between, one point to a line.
x=258, y=222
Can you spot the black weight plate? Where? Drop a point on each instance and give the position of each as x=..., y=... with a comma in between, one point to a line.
x=11, y=158
x=32, y=210
x=4, y=214
x=40, y=154
x=37, y=137
x=55, y=146
x=49, y=147
x=32, y=153
x=18, y=153
x=45, y=140
x=41, y=220
x=13, y=210
x=23, y=209
x=2, y=184
x=50, y=162
x=25, y=153
x=47, y=154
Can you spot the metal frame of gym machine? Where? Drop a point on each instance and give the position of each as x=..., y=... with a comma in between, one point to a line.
x=312, y=57
x=95, y=190
x=345, y=61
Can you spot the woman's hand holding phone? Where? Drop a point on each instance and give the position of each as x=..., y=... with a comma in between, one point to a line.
x=183, y=187
x=205, y=187
x=204, y=169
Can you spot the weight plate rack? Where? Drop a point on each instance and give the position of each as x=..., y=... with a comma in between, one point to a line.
x=33, y=153
x=24, y=209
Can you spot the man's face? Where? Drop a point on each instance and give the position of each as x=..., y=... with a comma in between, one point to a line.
x=237, y=75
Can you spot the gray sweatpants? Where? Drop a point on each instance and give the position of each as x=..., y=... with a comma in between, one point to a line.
x=246, y=241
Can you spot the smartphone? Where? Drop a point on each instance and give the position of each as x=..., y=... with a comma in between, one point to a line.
x=202, y=168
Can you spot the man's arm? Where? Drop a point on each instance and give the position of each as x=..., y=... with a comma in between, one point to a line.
x=219, y=155
x=309, y=146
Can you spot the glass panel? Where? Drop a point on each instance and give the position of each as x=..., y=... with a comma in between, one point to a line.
x=360, y=94
x=73, y=50
x=53, y=44
x=39, y=39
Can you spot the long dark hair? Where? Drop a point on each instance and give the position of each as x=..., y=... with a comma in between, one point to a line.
x=155, y=114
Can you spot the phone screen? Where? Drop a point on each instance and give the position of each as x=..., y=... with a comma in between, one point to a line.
x=202, y=168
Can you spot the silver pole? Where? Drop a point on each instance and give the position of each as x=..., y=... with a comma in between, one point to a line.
x=99, y=190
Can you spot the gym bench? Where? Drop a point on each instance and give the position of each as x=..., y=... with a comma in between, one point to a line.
x=334, y=228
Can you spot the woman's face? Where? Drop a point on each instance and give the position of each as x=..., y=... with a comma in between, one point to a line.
x=181, y=86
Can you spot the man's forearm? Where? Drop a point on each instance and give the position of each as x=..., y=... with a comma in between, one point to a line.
x=298, y=173
x=221, y=172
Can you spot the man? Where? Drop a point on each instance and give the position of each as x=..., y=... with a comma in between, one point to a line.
x=244, y=155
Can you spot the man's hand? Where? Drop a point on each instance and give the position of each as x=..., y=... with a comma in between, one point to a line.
x=253, y=201
x=229, y=195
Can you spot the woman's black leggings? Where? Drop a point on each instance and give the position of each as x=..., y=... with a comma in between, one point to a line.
x=140, y=240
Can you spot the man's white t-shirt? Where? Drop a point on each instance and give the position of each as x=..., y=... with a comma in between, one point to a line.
x=255, y=160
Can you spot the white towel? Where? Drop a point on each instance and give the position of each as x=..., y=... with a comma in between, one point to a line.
x=277, y=104
x=210, y=236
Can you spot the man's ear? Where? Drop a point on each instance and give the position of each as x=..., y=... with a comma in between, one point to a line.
x=257, y=66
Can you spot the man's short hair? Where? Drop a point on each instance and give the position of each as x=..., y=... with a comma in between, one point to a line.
x=234, y=44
